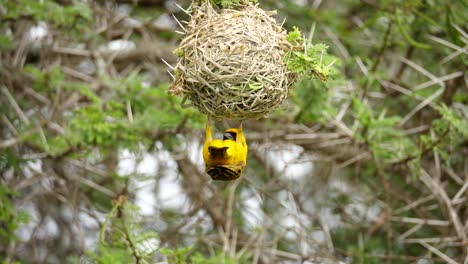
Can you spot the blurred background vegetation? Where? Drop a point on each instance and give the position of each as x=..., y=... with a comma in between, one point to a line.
x=99, y=164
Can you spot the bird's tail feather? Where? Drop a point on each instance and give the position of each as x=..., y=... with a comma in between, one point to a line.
x=224, y=172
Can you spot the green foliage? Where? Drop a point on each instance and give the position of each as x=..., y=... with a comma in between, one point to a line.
x=48, y=10
x=312, y=98
x=179, y=53
x=111, y=255
x=450, y=117
x=6, y=43
x=8, y=159
x=10, y=218
x=363, y=248
x=126, y=241
x=104, y=122
x=447, y=136
x=123, y=118
x=183, y=256
x=176, y=256
x=122, y=240
x=402, y=27
x=311, y=60
x=151, y=105
x=94, y=125
x=198, y=258
x=384, y=139
x=47, y=80
x=295, y=37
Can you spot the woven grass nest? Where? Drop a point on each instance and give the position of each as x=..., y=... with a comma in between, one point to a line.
x=231, y=62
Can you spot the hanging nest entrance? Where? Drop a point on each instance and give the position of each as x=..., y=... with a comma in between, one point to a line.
x=232, y=62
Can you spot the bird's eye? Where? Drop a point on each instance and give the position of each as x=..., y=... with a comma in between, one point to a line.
x=229, y=135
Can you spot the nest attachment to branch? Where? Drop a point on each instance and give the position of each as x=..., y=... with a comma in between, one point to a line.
x=232, y=62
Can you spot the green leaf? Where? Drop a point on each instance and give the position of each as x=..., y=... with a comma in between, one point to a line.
x=313, y=61
x=295, y=37
x=406, y=35
x=6, y=43
x=455, y=119
x=10, y=218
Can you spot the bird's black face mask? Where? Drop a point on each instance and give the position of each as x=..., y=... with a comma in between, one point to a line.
x=230, y=136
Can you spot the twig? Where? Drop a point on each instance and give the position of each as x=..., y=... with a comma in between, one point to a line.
x=312, y=136
x=180, y=24
x=15, y=105
x=460, y=192
x=343, y=127
x=284, y=254
x=102, y=233
x=13, y=141
x=72, y=51
x=438, y=80
x=234, y=232
x=361, y=65
x=453, y=55
x=340, y=141
x=9, y=124
x=416, y=130
x=79, y=75
x=407, y=258
x=414, y=204
x=363, y=155
x=435, y=152
x=438, y=253
x=403, y=66
x=129, y=112
x=453, y=175
x=409, y=232
x=412, y=220
x=129, y=238
x=380, y=55
x=228, y=224
x=448, y=44
x=421, y=105
x=328, y=236
x=338, y=44
x=20, y=58
x=401, y=89
x=440, y=192
x=248, y=245
x=461, y=31
x=422, y=71
x=431, y=240
x=39, y=97
x=382, y=47
x=87, y=181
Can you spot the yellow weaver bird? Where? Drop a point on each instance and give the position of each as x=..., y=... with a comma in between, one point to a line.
x=225, y=159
